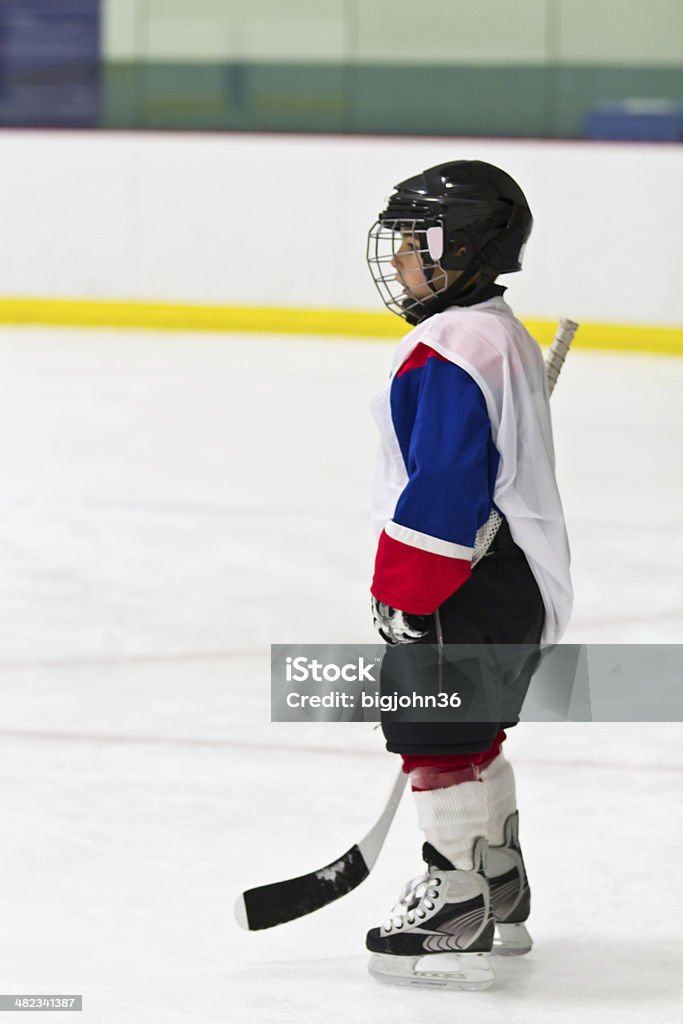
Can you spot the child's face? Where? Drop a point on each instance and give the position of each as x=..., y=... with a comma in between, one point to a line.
x=407, y=261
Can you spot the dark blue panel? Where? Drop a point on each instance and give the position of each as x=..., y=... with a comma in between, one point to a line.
x=50, y=63
x=642, y=120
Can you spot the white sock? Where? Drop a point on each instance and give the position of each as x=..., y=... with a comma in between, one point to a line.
x=499, y=787
x=452, y=818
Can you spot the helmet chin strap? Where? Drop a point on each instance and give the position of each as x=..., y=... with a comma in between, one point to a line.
x=461, y=293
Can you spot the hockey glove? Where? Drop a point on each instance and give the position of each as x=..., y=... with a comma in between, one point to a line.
x=396, y=627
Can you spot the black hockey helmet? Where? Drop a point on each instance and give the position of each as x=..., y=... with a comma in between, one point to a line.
x=466, y=215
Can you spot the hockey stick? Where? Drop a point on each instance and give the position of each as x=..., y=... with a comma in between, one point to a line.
x=564, y=335
x=269, y=905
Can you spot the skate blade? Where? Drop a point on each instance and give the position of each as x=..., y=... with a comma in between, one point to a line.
x=511, y=940
x=464, y=971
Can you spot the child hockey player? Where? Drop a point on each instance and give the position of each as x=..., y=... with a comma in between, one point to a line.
x=465, y=431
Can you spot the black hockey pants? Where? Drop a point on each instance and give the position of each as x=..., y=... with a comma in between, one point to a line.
x=499, y=604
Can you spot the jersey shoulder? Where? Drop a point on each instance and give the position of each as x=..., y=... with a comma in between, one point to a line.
x=482, y=336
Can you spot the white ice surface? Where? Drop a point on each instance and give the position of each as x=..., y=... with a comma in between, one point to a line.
x=171, y=505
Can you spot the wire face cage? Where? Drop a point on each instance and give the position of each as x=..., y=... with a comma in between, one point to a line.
x=398, y=255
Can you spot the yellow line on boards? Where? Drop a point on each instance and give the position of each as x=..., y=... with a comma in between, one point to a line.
x=651, y=340
x=185, y=317
x=342, y=323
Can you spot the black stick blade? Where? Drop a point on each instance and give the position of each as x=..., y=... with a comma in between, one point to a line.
x=270, y=905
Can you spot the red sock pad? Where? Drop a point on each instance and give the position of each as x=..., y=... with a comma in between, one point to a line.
x=437, y=771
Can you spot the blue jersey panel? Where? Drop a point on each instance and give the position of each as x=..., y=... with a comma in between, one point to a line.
x=444, y=433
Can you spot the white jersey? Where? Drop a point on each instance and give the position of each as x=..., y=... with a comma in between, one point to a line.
x=493, y=347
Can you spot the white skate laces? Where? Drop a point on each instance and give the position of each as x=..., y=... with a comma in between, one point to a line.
x=418, y=897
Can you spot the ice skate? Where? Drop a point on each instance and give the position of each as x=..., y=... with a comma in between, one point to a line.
x=440, y=931
x=510, y=893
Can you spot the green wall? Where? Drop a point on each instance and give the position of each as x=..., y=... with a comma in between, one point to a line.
x=501, y=67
